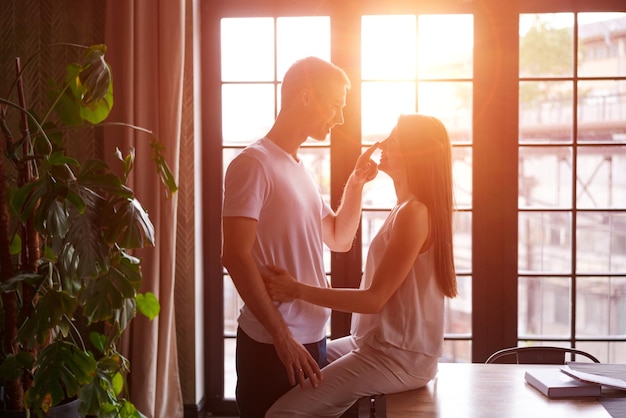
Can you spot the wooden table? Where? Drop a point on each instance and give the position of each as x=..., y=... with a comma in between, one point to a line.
x=485, y=390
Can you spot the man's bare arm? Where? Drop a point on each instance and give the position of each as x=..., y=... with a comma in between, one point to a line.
x=239, y=237
x=340, y=228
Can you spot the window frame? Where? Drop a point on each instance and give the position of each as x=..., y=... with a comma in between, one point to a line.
x=495, y=163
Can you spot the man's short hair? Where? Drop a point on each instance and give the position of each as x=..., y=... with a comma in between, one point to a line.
x=314, y=73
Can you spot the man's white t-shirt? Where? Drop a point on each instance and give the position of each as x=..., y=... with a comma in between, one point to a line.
x=265, y=183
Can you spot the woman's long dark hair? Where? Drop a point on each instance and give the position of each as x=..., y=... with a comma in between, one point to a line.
x=426, y=148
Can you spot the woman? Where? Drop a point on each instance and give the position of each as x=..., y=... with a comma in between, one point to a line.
x=397, y=329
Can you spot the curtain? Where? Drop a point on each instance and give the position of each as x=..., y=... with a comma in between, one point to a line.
x=145, y=41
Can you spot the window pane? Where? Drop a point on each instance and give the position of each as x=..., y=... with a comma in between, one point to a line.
x=546, y=116
x=462, y=241
x=252, y=103
x=445, y=46
x=299, y=37
x=388, y=47
x=230, y=374
x=317, y=161
x=600, y=40
x=232, y=304
x=382, y=103
x=601, y=178
x=602, y=110
x=545, y=242
x=601, y=242
x=601, y=306
x=228, y=154
x=457, y=351
x=546, y=45
x=247, y=49
x=462, y=176
x=546, y=112
x=544, y=306
x=371, y=222
x=545, y=177
x=459, y=309
x=606, y=351
x=450, y=102
x=379, y=193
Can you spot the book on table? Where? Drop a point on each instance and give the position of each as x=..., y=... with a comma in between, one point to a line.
x=553, y=383
x=609, y=375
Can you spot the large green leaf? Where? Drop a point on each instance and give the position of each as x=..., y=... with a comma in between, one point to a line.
x=54, y=216
x=93, y=111
x=148, y=305
x=129, y=267
x=16, y=244
x=67, y=107
x=43, y=202
x=130, y=227
x=106, y=294
x=128, y=410
x=100, y=298
x=14, y=365
x=50, y=313
x=98, y=399
x=85, y=253
x=126, y=314
x=100, y=396
x=96, y=175
x=98, y=340
x=100, y=402
x=59, y=165
x=22, y=201
x=99, y=110
x=62, y=369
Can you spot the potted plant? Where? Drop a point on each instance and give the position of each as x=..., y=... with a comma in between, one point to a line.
x=69, y=283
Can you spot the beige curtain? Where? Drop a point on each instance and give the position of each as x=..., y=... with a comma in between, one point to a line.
x=145, y=40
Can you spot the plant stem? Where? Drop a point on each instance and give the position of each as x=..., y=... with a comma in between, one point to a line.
x=30, y=237
x=40, y=129
x=51, y=108
x=36, y=54
x=14, y=390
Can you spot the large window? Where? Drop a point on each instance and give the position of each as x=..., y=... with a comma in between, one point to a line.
x=417, y=74
x=535, y=104
x=415, y=63
x=572, y=181
x=256, y=52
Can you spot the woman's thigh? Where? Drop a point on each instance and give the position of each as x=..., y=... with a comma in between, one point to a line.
x=340, y=347
x=352, y=376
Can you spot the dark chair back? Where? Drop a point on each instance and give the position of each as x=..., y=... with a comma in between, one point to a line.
x=536, y=355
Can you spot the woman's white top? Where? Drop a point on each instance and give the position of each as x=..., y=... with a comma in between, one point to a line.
x=409, y=328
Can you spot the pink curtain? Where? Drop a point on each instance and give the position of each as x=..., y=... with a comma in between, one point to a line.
x=145, y=41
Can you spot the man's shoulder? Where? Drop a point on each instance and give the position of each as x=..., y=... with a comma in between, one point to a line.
x=259, y=149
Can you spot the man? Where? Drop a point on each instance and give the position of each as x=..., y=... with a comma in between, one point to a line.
x=273, y=214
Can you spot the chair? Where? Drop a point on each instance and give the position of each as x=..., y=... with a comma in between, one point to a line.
x=538, y=355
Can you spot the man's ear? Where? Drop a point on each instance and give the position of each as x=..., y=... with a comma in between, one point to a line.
x=306, y=97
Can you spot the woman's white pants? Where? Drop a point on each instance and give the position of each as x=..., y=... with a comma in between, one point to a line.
x=353, y=373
